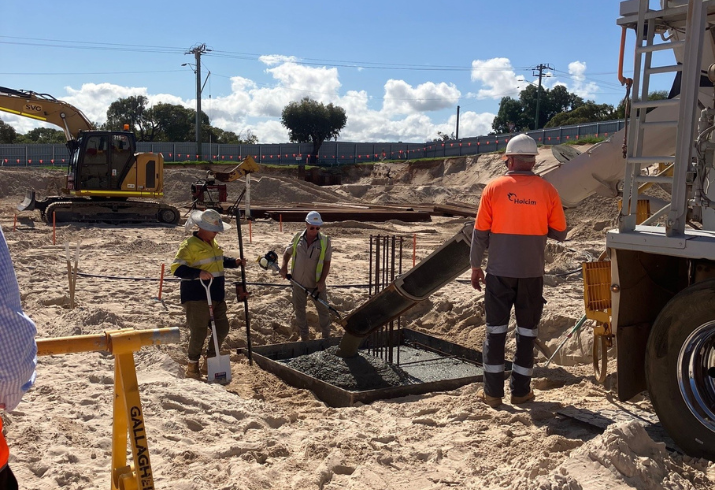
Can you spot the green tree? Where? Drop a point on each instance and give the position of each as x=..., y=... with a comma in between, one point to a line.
x=519, y=115
x=230, y=138
x=134, y=112
x=8, y=135
x=588, y=112
x=312, y=121
x=43, y=136
x=174, y=122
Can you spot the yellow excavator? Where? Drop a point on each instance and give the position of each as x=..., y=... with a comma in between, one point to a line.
x=107, y=180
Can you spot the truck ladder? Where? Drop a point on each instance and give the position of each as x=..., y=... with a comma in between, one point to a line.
x=647, y=24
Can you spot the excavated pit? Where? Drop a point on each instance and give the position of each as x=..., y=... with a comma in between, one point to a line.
x=420, y=364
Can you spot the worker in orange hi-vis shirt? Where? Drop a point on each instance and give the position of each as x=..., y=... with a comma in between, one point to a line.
x=517, y=212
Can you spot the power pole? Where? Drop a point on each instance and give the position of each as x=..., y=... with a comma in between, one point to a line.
x=197, y=51
x=541, y=69
x=456, y=136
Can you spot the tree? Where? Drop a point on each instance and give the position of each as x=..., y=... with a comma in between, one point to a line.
x=230, y=138
x=311, y=121
x=43, y=136
x=443, y=137
x=588, y=112
x=134, y=112
x=8, y=135
x=518, y=115
x=174, y=122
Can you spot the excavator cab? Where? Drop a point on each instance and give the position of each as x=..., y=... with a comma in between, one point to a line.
x=101, y=161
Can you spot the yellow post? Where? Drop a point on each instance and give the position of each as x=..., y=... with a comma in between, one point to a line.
x=128, y=416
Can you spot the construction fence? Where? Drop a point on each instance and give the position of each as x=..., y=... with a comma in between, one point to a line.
x=331, y=152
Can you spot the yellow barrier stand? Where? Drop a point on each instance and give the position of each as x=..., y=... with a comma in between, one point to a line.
x=128, y=417
x=597, y=300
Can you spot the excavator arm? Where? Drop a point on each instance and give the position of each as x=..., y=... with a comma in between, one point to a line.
x=43, y=107
x=247, y=166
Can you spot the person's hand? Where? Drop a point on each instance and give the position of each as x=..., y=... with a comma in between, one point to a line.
x=205, y=276
x=320, y=286
x=240, y=262
x=284, y=271
x=477, y=277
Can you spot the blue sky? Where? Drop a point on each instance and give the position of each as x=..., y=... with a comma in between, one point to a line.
x=399, y=68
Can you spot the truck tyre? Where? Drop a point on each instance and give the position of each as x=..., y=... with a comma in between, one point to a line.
x=680, y=368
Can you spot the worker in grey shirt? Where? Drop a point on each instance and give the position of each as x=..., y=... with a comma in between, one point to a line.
x=309, y=252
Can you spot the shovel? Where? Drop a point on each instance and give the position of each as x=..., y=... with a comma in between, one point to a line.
x=219, y=366
x=271, y=260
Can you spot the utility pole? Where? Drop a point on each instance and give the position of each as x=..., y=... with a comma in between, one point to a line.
x=197, y=51
x=456, y=135
x=541, y=69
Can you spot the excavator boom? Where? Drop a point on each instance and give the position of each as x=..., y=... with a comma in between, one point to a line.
x=43, y=107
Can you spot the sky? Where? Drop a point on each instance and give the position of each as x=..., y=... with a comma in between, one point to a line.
x=399, y=69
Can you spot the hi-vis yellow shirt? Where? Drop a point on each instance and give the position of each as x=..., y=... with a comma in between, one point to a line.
x=517, y=212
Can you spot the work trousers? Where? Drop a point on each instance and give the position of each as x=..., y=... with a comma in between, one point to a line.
x=7, y=479
x=300, y=302
x=525, y=295
x=199, y=322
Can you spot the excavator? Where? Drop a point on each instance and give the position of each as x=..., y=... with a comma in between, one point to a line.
x=107, y=180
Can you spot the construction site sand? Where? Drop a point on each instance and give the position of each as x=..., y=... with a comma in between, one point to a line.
x=260, y=433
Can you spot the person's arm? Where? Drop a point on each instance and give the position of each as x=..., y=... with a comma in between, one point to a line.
x=323, y=276
x=284, y=265
x=18, y=350
x=557, y=219
x=180, y=266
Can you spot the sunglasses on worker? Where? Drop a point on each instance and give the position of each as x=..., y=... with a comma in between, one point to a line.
x=314, y=228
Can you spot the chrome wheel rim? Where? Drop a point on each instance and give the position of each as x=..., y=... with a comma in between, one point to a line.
x=696, y=374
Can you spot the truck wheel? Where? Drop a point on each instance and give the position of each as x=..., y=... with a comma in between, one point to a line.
x=680, y=368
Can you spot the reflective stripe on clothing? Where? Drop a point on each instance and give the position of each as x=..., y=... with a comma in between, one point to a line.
x=494, y=368
x=526, y=332
x=522, y=370
x=323, y=240
x=18, y=350
x=497, y=328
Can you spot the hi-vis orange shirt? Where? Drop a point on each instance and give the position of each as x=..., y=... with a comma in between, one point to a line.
x=517, y=212
x=4, y=451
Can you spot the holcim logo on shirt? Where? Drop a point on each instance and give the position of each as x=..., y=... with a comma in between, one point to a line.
x=515, y=199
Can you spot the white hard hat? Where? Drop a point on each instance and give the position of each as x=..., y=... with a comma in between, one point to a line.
x=314, y=218
x=209, y=220
x=521, y=145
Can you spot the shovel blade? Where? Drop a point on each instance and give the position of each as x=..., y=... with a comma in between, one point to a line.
x=219, y=369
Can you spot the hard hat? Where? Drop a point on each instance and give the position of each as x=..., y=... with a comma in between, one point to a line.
x=314, y=218
x=209, y=220
x=521, y=145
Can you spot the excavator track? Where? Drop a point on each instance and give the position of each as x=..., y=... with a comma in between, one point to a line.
x=114, y=212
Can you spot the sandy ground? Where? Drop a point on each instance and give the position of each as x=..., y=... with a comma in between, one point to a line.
x=260, y=433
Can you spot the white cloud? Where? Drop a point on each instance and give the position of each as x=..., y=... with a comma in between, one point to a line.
x=274, y=59
x=581, y=87
x=498, y=76
x=402, y=98
x=406, y=114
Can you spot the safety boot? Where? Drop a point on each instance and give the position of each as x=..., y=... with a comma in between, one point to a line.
x=192, y=370
x=492, y=401
x=517, y=400
x=204, y=369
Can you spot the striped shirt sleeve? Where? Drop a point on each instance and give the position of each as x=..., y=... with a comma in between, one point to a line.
x=18, y=350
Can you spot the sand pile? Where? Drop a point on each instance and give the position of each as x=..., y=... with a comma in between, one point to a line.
x=260, y=433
